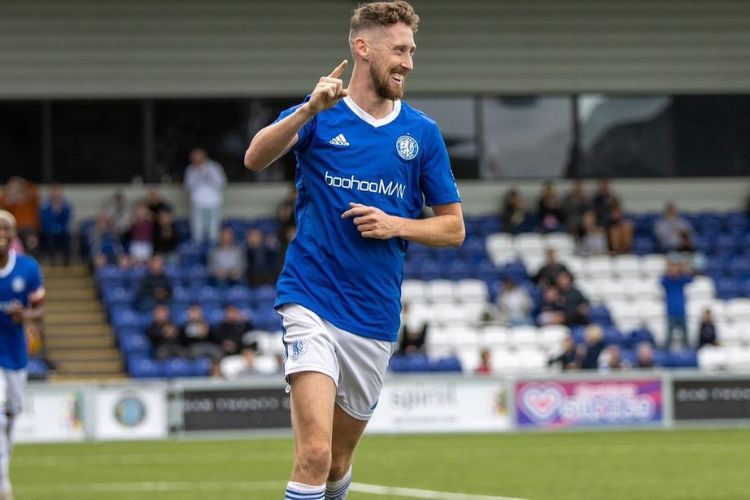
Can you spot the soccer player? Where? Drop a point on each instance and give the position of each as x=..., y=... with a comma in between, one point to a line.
x=21, y=294
x=366, y=163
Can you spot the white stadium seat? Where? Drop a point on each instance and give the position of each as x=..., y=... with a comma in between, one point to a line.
x=598, y=267
x=503, y=361
x=653, y=266
x=500, y=248
x=529, y=244
x=563, y=243
x=739, y=310
x=626, y=266
x=574, y=265
x=522, y=336
x=643, y=288
x=413, y=291
x=738, y=359
x=712, y=358
x=494, y=336
x=469, y=357
x=470, y=290
x=552, y=336
x=701, y=288
x=533, y=263
x=440, y=291
x=531, y=361
x=612, y=290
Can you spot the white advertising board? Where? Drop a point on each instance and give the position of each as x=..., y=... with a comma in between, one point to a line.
x=441, y=405
x=130, y=413
x=50, y=416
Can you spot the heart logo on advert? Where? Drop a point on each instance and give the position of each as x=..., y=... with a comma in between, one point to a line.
x=542, y=401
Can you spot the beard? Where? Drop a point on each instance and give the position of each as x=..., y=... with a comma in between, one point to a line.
x=384, y=87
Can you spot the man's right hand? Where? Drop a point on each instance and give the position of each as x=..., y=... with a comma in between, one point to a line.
x=329, y=90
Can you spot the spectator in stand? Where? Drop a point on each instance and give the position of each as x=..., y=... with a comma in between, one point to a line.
x=105, y=243
x=261, y=259
x=516, y=218
x=619, y=232
x=285, y=211
x=21, y=198
x=568, y=358
x=673, y=232
x=592, y=237
x=514, y=304
x=674, y=282
x=575, y=305
x=205, y=181
x=552, y=311
x=548, y=273
x=166, y=238
x=412, y=337
x=289, y=233
x=644, y=356
x=549, y=211
x=156, y=202
x=155, y=287
x=227, y=261
x=232, y=329
x=485, y=363
x=575, y=203
x=117, y=210
x=55, y=235
x=199, y=337
x=604, y=200
x=140, y=235
x=589, y=352
x=611, y=359
x=707, y=330
x=164, y=335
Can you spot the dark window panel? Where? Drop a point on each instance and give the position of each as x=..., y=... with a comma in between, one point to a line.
x=712, y=135
x=625, y=136
x=526, y=136
x=21, y=140
x=97, y=141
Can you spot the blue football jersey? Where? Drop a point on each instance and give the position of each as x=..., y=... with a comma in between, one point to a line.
x=396, y=163
x=20, y=278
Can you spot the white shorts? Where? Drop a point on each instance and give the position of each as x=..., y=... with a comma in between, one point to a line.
x=12, y=388
x=356, y=364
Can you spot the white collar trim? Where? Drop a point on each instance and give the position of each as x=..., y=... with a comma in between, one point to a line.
x=367, y=117
x=5, y=271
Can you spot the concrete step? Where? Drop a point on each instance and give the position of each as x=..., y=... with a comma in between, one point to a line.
x=100, y=377
x=74, y=318
x=76, y=270
x=72, y=294
x=89, y=354
x=90, y=367
x=93, y=329
x=78, y=306
x=78, y=342
x=67, y=283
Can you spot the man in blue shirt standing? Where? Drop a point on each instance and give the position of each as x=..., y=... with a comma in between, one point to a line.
x=674, y=283
x=21, y=294
x=366, y=164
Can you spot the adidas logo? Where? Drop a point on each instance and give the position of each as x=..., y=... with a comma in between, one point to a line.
x=339, y=140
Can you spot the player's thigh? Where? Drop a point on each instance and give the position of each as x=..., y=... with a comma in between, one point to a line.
x=16, y=391
x=312, y=400
x=347, y=431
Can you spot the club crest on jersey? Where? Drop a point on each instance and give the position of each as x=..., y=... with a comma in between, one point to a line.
x=297, y=349
x=407, y=147
x=18, y=284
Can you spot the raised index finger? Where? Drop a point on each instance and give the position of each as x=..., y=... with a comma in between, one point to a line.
x=339, y=69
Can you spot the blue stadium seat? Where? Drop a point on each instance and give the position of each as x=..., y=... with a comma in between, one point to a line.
x=459, y=270
x=599, y=315
x=447, y=364
x=144, y=368
x=176, y=367
x=638, y=336
x=36, y=369
x=206, y=295
x=682, y=359
x=110, y=276
x=430, y=270
x=196, y=275
x=118, y=296
x=127, y=318
x=200, y=367
x=644, y=245
x=613, y=336
x=238, y=295
x=135, y=344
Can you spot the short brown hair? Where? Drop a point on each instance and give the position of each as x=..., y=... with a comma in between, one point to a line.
x=383, y=14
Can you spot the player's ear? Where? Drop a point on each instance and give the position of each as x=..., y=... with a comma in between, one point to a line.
x=360, y=47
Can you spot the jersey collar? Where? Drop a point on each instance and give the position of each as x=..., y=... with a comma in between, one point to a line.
x=367, y=117
x=5, y=271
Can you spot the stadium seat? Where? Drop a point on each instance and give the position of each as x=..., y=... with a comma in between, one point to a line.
x=494, y=336
x=529, y=244
x=626, y=266
x=738, y=359
x=144, y=368
x=598, y=267
x=531, y=360
x=440, y=291
x=471, y=291
x=524, y=336
x=238, y=295
x=711, y=358
x=200, y=367
x=176, y=367
x=653, y=266
x=563, y=243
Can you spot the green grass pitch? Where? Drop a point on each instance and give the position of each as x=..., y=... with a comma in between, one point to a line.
x=685, y=464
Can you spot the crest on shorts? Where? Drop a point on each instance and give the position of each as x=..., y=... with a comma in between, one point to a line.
x=297, y=349
x=18, y=284
x=407, y=147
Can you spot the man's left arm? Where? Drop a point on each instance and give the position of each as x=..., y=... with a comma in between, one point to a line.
x=445, y=229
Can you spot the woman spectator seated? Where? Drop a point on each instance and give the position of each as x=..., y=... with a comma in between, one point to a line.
x=166, y=237
x=592, y=238
x=620, y=232
x=227, y=261
x=549, y=209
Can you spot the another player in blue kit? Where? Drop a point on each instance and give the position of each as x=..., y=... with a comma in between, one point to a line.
x=21, y=294
x=366, y=164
